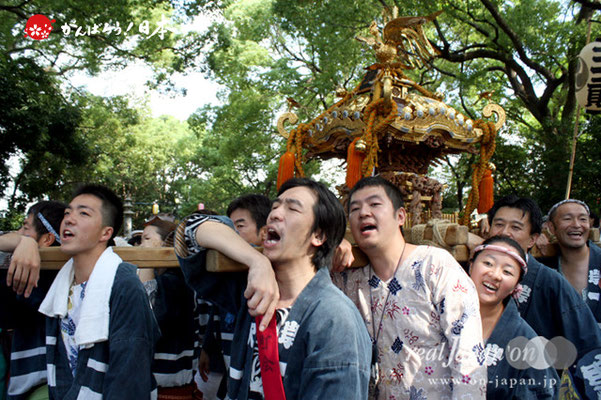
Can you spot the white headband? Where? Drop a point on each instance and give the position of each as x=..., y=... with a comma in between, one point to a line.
x=561, y=203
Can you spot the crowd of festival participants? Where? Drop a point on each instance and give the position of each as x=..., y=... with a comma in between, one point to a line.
x=300, y=323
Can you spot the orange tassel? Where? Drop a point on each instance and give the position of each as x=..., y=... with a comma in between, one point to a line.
x=354, y=160
x=486, y=192
x=286, y=168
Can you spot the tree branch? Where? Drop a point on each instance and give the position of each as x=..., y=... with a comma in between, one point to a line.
x=504, y=176
x=461, y=97
x=443, y=72
x=528, y=97
x=515, y=40
x=441, y=35
x=589, y=3
x=384, y=4
x=15, y=10
x=469, y=21
x=310, y=64
x=517, y=116
x=513, y=70
x=570, y=104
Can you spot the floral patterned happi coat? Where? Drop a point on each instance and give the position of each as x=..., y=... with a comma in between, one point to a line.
x=430, y=340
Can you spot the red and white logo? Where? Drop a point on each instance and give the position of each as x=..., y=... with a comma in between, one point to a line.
x=38, y=27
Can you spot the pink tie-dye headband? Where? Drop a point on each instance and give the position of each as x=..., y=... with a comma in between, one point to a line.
x=518, y=288
x=502, y=249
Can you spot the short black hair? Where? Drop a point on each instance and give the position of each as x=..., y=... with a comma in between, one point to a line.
x=328, y=215
x=112, y=206
x=53, y=212
x=393, y=192
x=525, y=204
x=257, y=205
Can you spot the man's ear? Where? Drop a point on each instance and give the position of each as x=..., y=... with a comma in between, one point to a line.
x=401, y=215
x=318, y=238
x=107, y=232
x=532, y=240
x=46, y=240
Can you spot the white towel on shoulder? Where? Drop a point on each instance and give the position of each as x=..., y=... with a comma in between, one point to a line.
x=93, y=326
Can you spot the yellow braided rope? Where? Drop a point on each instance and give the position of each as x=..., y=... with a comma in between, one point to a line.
x=370, y=135
x=376, y=108
x=299, y=156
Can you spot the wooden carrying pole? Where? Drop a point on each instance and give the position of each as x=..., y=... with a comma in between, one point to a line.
x=160, y=257
x=575, y=136
x=456, y=238
x=164, y=257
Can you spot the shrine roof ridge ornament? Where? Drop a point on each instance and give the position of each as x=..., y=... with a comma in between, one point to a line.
x=421, y=118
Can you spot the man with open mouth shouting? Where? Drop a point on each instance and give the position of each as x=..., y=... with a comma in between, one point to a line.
x=100, y=330
x=316, y=346
x=420, y=307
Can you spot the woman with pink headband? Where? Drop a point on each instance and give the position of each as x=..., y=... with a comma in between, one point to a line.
x=496, y=267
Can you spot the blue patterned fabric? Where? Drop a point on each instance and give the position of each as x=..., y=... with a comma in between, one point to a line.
x=506, y=382
x=178, y=348
x=28, y=345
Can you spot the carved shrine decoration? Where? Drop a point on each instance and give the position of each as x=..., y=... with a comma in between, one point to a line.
x=398, y=127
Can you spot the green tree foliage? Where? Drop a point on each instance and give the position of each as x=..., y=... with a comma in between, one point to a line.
x=147, y=159
x=523, y=52
x=112, y=34
x=32, y=70
x=270, y=55
x=587, y=177
x=140, y=157
x=237, y=154
x=40, y=123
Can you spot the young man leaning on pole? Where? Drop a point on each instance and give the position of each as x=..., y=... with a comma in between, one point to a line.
x=316, y=347
x=100, y=330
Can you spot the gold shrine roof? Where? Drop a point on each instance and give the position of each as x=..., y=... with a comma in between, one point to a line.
x=424, y=128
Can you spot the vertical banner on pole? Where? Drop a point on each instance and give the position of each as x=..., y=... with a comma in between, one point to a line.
x=588, y=78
